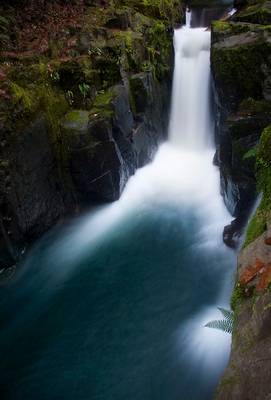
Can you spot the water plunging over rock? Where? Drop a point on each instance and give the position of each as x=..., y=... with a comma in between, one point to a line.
x=114, y=306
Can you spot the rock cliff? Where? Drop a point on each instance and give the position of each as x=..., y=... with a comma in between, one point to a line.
x=240, y=60
x=241, y=67
x=83, y=103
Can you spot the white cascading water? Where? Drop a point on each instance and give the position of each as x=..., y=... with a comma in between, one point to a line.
x=190, y=124
x=182, y=172
x=181, y=176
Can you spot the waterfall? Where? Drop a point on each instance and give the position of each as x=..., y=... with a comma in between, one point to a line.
x=182, y=173
x=190, y=123
x=114, y=304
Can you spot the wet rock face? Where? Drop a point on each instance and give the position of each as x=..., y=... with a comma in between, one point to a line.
x=78, y=122
x=35, y=197
x=241, y=64
x=97, y=166
x=240, y=61
x=34, y=170
x=249, y=372
x=105, y=149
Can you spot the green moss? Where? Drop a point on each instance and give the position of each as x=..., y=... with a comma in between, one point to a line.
x=223, y=29
x=104, y=98
x=35, y=98
x=257, y=14
x=168, y=10
x=24, y=96
x=102, y=105
x=256, y=226
x=74, y=116
x=254, y=106
x=240, y=66
x=221, y=26
x=238, y=295
x=258, y=223
x=251, y=153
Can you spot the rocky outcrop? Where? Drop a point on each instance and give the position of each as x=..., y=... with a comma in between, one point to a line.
x=241, y=67
x=249, y=372
x=240, y=59
x=77, y=122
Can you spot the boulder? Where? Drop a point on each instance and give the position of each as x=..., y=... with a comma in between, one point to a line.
x=97, y=167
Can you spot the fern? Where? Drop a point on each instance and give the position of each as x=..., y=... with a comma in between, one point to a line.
x=224, y=325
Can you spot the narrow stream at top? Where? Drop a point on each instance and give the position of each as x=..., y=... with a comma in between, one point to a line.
x=113, y=306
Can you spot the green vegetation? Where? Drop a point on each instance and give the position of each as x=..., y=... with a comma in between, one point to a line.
x=258, y=223
x=251, y=153
x=241, y=66
x=165, y=9
x=237, y=297
x=24, y=96
x=225, y=324
x=259, y=13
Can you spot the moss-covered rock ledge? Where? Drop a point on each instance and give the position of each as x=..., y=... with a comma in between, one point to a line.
x=248, y=375
x=241, y=66
x=80, y=111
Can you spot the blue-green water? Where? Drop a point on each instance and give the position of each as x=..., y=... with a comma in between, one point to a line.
x=123, y=317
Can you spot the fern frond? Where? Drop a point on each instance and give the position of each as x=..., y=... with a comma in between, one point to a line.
x=227, y=314
x=223, y=325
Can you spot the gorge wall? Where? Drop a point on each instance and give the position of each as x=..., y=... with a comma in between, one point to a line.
x=84, y=91
x=241, y=66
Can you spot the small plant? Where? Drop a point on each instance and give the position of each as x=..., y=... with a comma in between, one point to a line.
x=225, y=324
x=84, y=89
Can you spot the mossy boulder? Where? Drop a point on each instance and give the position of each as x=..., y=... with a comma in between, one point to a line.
x=259, y=13
x=238, y=64
x=222, y=29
